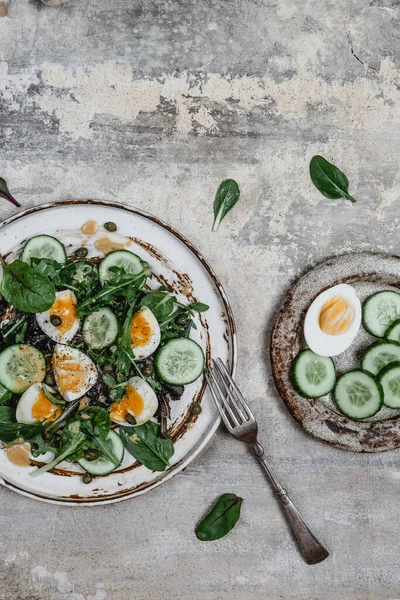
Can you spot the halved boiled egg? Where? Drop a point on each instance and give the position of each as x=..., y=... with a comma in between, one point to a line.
x=61, y=321
x=139, y=401
x=34, y=407
x=145, y=333
x=74, y=372
x=333, y=320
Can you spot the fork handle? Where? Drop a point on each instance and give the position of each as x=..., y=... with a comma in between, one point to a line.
x=311, y=549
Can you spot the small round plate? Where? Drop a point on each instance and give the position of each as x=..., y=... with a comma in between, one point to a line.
x=367, y=273
x=174, y=262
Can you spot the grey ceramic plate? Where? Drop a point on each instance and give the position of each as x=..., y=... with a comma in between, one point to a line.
x=368, y=273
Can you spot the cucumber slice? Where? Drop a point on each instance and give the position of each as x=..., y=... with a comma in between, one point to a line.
x=378, y=355
x=103, y=466
x=392, y=333
x=358, y=395
x=179, y=362
x=379, y=311
x=100, y=329
x=44, y=246
x=20, y=367
x=313, y=376
x=389, y=379
x=129, y=261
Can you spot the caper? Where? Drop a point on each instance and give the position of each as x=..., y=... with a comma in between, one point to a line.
x=195, y=408
x=81, y=252
x=55, y=320
x=182, y=319
x=107, y=368
x=148, y=370
x=91, y=454
x=130, y=419
x=110, y=226
x=87, y=478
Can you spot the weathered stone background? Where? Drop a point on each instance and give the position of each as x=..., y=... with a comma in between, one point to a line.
x=153, y=103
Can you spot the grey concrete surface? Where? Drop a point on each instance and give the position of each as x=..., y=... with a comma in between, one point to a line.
x=153, y=103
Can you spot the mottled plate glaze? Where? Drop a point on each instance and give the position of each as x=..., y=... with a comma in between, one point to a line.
x=176, y=263
x=368, y=273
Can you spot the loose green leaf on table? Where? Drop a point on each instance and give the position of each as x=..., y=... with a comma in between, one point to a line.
x=221, y=519
x=225, y=199
x=5, y=193
x=25, y=288
x=144, y=444
x=328, y=179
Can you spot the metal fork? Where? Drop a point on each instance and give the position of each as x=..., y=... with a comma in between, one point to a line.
x=240, y=422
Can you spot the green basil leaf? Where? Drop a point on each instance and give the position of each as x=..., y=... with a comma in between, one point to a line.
x=328, y=179
x=144, y=444
x=5, y=193
x=25, y=288
x=221, y=519
x=198, y=306
x=225, y=199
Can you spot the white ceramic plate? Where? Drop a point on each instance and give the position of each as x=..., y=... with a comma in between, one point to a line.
x=176, y=263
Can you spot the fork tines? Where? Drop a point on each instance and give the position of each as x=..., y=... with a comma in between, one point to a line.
x=232, y=406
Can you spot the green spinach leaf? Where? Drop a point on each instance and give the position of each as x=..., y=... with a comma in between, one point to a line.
x=39, y=446
x=328, y=179
x=226, y=197
x=46, y=266
x=98, y=417
x=161, y=304
x=221, y=519
x=25, y=288
x=144, y=444
x=11, y=431
x=5, y=193
x=5, y=395
x=198, y=306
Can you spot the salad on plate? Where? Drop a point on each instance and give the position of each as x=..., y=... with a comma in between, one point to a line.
x=90, y=358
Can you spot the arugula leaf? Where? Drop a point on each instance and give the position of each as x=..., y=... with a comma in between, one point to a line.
x=25, y=288
x=5, y=193
x=72, y=439
x=39, y=446
x=46, y=266
x=198, y=306
x=99, y=418
x=129, y=285
x=328, y=179
x=221, y=519
x=144, y=444
x=226, y=197
x=12, y=327
x=82, y=277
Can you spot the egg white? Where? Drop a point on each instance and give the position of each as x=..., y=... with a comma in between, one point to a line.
x=150, y=401
x=325, y=344
x=75, y=373
x=54, y=333
x=23, y=412
x=141, y=352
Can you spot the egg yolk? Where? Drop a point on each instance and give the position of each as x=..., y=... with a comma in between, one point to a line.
x=44, y=410
x=64, y=307
x=70, y=375
x=140, y=330
x=132, y=403
x=336, y=316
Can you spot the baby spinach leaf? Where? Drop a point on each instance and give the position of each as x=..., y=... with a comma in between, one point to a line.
x=10, y=431
x=160, y=303
x=5, y=193
x=144, y=444
x=25, y=288
x=328, y=179
x=221, y=519
x=5, y=395
x=198, y=306
x=226, y=197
